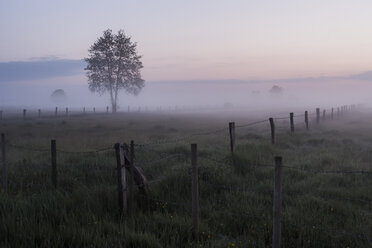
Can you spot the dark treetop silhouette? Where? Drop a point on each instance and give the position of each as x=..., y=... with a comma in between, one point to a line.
x=113, y=64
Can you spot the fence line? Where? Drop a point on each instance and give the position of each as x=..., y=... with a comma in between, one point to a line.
x=195, y=177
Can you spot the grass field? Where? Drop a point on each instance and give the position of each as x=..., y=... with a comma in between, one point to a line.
x=236, y=193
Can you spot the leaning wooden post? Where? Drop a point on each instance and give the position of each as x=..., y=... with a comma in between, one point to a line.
x=120, y=167
x=332, y=114
x=131, y=179
x=277, y=202
x=324, y=115
x=317, y=115
x=4, y=179
x=232, y=136
x=307, y=120
x=54, y=163
x=24, y=113
x=272, y=127
x=195, y=193
x=292, y=123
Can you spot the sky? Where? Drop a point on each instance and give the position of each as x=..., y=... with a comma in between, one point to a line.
x=188, y=40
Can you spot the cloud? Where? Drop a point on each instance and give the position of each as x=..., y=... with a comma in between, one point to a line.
x=39, y=68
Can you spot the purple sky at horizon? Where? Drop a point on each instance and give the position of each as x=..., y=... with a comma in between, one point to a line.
x=187, y=40
x=41, y=42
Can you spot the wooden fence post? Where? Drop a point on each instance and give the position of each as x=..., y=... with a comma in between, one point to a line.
x=84, y=110
x=94, y=110
x=120, y=167
x=107, y=109
x=317, y=115
x=4, y=179
x=131, y=179
x=54, y=163
x=195, y=193
x=232, y=136
x=56, y=111
x=277, y=202
x=272, y=127
x=24, y=113
x=324, y=114
x=292, y=123
x=307, y=120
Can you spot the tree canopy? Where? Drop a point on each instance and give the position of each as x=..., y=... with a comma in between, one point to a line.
x=113, y=65
x=59, y=96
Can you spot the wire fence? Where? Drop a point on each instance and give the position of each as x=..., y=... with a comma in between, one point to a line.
x=158, y=156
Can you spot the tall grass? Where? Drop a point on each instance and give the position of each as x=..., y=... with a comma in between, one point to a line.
x=319, y=210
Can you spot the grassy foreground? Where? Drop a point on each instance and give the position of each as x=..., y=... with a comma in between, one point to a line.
x=319, y=209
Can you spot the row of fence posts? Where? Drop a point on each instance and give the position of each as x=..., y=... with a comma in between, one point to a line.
x=39, y=113
x=126, y=204
x=340, y=112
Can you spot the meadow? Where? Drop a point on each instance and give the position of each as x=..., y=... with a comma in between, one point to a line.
x=324, y=203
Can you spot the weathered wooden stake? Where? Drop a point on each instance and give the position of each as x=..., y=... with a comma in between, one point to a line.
x=292, y=122
x=54, y=163
x=272, y=126
x=4, y=179
x=120, y=167
x=195, y=193
x=131, y=179
x=24, y=113
x=277, y=202
x=317, y=115
x=307, y=120
x=232, y=136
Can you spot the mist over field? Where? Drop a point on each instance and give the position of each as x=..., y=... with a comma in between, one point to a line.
x=188, y=124
x=30, y=84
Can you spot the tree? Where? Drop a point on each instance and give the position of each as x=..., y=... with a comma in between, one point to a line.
x=276, y=90
x=113, y=64
x=59, y=96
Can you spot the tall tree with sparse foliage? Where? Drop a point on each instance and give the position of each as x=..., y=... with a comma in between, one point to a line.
x=113, y=65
